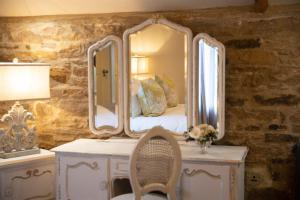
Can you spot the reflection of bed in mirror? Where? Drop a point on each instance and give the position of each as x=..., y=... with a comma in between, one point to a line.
x=173, y=119
x=158, y=86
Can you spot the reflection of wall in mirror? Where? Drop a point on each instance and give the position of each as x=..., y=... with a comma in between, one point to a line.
x=165, y=50
x=106, y=77
x=140, y=67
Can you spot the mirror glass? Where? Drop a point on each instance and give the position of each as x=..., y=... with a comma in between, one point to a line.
x=106, y=75
x=209, y=71
x=158, y=79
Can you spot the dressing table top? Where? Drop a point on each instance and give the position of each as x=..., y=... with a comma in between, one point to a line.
x=124, y=147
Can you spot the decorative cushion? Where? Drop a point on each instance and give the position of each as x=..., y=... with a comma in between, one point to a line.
x=169, y=88
x=152, y=98
x=145, y=197
x=135, y=108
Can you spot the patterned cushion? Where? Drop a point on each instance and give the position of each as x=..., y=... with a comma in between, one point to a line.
x=169, y=88
x=152, y=98
x=135, y=108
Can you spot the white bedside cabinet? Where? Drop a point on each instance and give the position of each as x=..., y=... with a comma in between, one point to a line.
x=29, y=177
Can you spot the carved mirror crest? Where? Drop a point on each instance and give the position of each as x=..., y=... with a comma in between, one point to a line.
x=209, y=82
x=105, y=86
x=157, y=77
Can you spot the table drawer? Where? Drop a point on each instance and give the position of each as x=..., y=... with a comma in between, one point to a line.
x=29, y=182
x=120, y=166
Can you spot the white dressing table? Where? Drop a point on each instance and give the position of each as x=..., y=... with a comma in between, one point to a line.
x=87, y=168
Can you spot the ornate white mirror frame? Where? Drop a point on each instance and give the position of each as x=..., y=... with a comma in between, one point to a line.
x=221, y=80
x=105, y=130
x=126, y=54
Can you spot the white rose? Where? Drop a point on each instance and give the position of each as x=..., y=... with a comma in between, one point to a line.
x=211, y=129
x=202, y=132
x=195, y=133
x=203, y=128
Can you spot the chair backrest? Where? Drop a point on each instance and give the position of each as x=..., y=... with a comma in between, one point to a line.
x=155, y=164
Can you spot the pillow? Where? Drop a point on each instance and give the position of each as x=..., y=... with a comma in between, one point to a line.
x=152, y=98
x=135, y=108
x=168, y=86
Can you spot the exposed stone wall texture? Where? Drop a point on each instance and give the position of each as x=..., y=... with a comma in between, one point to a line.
x=262, y=80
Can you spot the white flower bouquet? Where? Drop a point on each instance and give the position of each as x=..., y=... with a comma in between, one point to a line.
x=202, y=133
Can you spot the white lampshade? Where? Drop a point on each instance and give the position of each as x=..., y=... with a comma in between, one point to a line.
x=24, y=81
x=139, y=65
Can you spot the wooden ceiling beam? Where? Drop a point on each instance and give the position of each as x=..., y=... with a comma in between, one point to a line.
x=261, y=5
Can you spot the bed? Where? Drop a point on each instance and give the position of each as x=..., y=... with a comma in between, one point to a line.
x=173, y=119
x=105, y=117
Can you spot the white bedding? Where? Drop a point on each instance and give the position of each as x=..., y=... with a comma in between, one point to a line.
x=173, y=119
x=105, y=117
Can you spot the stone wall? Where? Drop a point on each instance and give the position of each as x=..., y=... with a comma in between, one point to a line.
x=262, y=80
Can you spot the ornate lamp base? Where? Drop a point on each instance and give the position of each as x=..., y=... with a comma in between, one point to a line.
x=18, y=140
x=14, y=154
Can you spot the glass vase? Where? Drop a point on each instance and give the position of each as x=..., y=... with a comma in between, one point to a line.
x=209, y=143
x=203, y=146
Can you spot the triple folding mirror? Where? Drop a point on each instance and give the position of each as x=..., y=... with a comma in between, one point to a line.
x=157, y=76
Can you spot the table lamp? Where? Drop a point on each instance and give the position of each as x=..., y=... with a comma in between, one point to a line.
x=21, y=81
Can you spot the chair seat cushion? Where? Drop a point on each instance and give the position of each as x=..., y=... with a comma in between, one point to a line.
x=145, y=197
